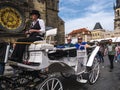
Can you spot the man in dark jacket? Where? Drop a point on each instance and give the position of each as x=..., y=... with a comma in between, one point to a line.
x=3, y=47
x=110, y=49
x=35, y=32
x=69, y=43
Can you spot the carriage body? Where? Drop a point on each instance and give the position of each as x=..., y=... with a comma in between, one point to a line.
x=46, y=61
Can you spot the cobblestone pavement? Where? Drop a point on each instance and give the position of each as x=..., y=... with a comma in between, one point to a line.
x=107, y=80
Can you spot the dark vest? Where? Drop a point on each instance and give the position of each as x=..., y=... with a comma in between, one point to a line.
x=37, y=27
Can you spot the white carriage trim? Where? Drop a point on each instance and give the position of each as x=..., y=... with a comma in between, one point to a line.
x=92, y=56
x=6, y=54
x=28, y=66
x=24, y=65
x=51, y=32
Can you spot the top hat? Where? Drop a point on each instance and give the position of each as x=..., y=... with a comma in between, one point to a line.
x=36, y=12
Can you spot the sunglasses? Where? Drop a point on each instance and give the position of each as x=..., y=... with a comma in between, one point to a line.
x=79, y=38
x=68, y=39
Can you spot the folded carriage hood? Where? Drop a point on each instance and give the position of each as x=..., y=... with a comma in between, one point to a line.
x=60, y=67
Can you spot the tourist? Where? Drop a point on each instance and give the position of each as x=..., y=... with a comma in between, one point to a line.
x=69, y=43
x=110, y=50
x=117, y=55
x=80, y=45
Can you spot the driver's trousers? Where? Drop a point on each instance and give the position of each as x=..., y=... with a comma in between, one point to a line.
x=20, y=48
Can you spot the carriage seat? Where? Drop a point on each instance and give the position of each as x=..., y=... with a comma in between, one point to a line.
x=37, y=51
x=40, y=45
x=62, y=52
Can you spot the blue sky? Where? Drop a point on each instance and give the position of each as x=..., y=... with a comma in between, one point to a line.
x=85, y=13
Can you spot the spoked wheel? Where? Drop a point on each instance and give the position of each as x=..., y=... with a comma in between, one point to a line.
x=94, y=71
x=51, y=83
x=5, y=85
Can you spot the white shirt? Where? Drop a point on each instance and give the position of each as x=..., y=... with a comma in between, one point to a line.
x=109, y=48
x=41, y=23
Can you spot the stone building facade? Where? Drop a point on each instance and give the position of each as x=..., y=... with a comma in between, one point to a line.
x=97, y=32
x=100, y=33
x=82, y=32
x=19, y=11
x=117, y=15
x=116, y=31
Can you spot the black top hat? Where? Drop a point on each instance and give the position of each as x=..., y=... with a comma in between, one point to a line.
x=36, y=12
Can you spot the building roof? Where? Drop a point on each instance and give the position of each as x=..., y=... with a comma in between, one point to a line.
x=86, y=31
x=97, y=26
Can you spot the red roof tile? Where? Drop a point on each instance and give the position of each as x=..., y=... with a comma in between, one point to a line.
x=79, y=31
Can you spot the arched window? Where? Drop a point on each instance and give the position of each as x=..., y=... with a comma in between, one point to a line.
x=118, y=13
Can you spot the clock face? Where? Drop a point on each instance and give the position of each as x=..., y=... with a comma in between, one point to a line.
x=10, y=18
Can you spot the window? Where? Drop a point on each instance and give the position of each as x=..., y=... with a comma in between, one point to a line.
x=118, y=13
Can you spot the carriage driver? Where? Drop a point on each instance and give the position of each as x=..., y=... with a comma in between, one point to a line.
x=80, y=45
x=35, y=32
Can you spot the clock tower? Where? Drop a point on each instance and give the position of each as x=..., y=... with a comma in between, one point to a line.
x=117, y=15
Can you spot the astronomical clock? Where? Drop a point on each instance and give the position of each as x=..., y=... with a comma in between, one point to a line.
x=13, y=16
x=11, y=20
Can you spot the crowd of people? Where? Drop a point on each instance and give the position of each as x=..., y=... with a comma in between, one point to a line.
x=110, y=49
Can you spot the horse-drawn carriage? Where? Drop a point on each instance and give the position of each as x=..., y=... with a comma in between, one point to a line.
x=43, y=64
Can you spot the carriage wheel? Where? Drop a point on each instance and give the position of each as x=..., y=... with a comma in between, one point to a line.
x=51, y=83
x=5, y=85
x=94, y=71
